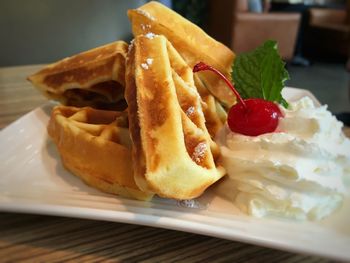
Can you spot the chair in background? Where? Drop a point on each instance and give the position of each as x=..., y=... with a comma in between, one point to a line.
x=232, y=23
x=329, y=31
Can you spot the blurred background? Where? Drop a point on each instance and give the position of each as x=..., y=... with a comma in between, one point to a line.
x=313, y=35
x=43, y=31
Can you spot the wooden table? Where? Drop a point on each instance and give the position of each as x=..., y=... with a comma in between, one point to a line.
x=37, y=238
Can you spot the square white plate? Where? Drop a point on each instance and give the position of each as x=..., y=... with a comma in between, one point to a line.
x=33, y=180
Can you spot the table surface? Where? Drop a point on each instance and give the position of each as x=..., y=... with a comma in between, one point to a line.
x=38, y=238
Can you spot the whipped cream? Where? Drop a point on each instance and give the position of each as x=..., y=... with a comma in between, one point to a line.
x=300, y=171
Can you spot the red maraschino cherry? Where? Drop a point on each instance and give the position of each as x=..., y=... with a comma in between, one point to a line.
x=250, y=117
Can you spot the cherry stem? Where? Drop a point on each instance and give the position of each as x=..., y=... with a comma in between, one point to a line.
x=202, y=66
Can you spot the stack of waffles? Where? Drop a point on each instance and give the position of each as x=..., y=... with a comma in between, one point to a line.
x=134, y=120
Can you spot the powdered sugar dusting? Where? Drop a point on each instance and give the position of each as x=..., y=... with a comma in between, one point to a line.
x=145, y=27
x=131, y=45
x=190, y=111
x=199, y=152
x=191, y=203
x=146, y=14
x=149, y=61
x=144, y=66
x=150, y=35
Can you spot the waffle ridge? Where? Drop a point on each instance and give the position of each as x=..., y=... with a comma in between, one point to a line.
x=95, y=145
x=92, y=78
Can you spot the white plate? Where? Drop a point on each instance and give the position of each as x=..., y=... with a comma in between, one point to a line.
x=32, y=180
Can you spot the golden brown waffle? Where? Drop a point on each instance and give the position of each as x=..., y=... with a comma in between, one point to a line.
x=93, y=78
x=95, y=145
x=214, y=113
x=173, y=153
x=190, y=41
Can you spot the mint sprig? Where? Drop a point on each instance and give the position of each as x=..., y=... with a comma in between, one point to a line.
x=261, y=73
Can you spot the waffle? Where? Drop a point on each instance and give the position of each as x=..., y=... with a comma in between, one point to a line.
x=95, y=145
x=173, y=153
x=190, y=41
x=93, y=78
x=214, y=113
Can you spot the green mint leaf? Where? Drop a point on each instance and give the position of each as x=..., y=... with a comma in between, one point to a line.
x=261, y=73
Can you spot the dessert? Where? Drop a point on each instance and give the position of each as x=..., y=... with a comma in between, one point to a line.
x=173, y=154
x=288, y=162
x=95, y=145
x=92, y=78
x=299, y=171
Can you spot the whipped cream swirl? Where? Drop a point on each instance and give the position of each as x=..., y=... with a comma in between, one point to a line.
x=300, y=171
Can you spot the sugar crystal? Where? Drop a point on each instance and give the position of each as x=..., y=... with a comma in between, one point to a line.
x=190, y=111
x=144, y=65
x=199, y=152
x=150, y=35
x=149, y=61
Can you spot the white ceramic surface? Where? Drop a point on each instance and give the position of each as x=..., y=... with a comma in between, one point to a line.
x=33, y=180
